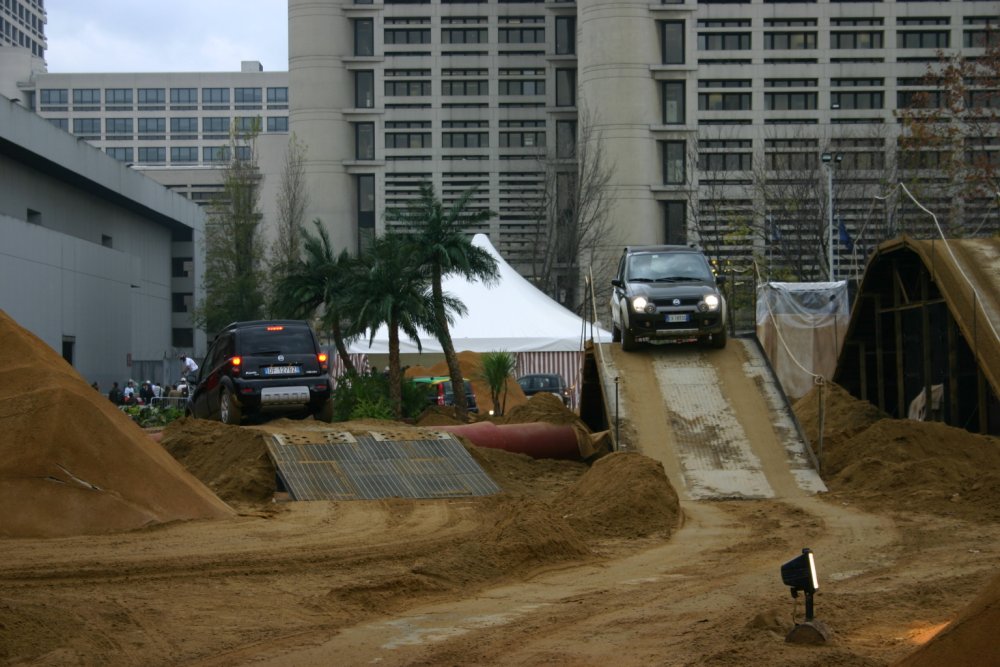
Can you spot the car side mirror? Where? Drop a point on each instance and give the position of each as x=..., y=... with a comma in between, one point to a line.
x=615, y=282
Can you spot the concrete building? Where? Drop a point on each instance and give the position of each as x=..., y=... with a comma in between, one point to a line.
x=22, y=25
x=691, y=101
x=97, y=260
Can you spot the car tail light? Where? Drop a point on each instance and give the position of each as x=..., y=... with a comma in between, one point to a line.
x=236, y=361
x=440, y=394
x=275, y=328
x=323, y=361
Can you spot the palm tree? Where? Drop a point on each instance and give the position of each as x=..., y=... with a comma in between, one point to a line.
x=320, y=280
x=392, y=289
x=497, y=367
x=443, y=248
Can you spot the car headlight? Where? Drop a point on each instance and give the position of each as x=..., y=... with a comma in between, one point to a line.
x=711, y=302
x=641, y=305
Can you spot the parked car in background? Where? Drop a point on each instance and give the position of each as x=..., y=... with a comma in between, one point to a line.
x=260, y=368
x=440, y=392
x=551, y=383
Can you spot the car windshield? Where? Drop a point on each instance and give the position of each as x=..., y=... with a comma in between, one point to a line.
x=667, y=267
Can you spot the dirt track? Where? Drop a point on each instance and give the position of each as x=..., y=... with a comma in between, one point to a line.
x=550, y=572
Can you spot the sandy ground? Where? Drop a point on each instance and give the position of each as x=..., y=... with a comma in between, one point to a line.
x=573, y=564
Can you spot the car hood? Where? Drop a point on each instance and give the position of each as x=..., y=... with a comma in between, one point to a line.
x=671, y=290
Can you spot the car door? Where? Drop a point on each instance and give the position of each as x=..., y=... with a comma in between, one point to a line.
x=618, y=293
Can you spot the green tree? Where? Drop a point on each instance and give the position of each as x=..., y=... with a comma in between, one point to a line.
x=393, y=289
x=442, y=247
x=320, y=284
x=234, y=249
x=497, y=367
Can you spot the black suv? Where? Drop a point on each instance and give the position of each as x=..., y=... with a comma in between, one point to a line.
x=539, y=383
x=666, y=293
x=263, y=367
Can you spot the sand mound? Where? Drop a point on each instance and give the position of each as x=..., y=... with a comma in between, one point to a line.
x=970, y=640
x=70, y=462
x=845, y=415
x=230, y=460
x=624, y=495
x=924, y=466
x=541, y=408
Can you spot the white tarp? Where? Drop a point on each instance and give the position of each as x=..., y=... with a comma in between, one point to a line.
x=511, y=315
x=801, y=327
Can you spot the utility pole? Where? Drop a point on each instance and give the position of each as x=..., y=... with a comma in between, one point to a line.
x=829, y=160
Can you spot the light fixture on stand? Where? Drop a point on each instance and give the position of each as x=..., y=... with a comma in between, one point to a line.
x=799, y=574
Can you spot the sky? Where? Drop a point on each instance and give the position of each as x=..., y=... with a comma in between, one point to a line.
x=165, y=35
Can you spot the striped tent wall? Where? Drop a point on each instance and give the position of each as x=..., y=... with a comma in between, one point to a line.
x=567, y=364
x=337, y=367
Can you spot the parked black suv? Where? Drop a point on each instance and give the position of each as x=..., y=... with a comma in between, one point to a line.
x=539, y=383
x=666, y=293
x=263, y=367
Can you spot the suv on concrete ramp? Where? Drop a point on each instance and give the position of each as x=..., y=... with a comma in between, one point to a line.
x=666, y=292
x=263, y=367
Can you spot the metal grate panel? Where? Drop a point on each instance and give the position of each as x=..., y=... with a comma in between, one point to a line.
x=340, y=466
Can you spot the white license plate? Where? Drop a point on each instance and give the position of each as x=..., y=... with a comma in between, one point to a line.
x=282, y=370
x=679, y=317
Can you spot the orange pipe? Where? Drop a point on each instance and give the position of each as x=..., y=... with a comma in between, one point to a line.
x=537, y=440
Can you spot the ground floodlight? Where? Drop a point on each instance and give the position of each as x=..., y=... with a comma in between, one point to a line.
x=800, y=574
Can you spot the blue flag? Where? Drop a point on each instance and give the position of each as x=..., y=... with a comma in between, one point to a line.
x=845, y=238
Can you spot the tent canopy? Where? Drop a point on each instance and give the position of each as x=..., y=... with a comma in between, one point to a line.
x=511, y=315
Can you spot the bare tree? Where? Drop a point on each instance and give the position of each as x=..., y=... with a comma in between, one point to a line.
x=573, y=221
x=293, y=200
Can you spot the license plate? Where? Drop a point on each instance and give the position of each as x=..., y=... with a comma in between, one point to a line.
x=282, y=370
x=679, y=317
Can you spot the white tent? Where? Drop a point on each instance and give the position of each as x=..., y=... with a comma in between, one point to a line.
x=511, y=315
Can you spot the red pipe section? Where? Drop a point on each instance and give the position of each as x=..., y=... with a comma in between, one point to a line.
x=538, y=440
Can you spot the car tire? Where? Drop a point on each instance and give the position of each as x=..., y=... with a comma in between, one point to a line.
x=719, y=339
x=325, y=413
x=230, y=411
x=628, y=341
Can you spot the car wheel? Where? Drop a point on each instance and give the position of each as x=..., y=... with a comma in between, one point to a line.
x=325, y=413
x=628, y=341
x=719, y=339
x=230, y=411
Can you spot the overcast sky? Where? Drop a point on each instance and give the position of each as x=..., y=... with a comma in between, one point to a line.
x=165, y=35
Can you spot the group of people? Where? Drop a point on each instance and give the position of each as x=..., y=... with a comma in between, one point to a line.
x=145, y=393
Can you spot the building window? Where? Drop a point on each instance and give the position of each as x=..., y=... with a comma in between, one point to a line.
x=215, y=154
x=673, y=162
x=463, y=36
x=672, y=36
x=215, y=127
x=181, y=267
x=180, y=126
x=407, y=88
x=247, y=97
x=364, y=37
x=723, y=41
x=187, y=96
x=247, y=124
x=790, y=101
x=408, y=140
x=215, y=96
x=784, y=41
x=366, y=211
x=120, y=154
x=673, y=102
x=521, y=35
x=922, y=39
x=869, y=99
x=364, y=89
x=565, y=138
x=364, y=141
x=152, y=96
x=117, y=96
x=118, y=126
x=61, y=123
x=468, y=87
x=277, y=124
x=277, y=96
x=54, y=96
x=856, y=40
x=88, y=96
x=675, y=222
x=408, y=36
x=565, y=35
x=87, y=127
x=153, y=126
x=724, y=102
x=522, y=87
x=152, y=154
x=565, y=87
x=181, y=302
x=465, y=140
x=184, y=154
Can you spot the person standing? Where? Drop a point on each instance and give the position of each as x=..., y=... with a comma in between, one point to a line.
x=188, y=368
x=115, y=394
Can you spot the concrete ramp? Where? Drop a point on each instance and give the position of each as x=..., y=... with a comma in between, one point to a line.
x=716, y=419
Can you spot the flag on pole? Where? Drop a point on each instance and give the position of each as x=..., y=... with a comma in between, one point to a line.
x=845, y=238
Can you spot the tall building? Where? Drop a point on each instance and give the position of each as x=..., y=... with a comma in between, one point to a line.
x=22, y=25
x=695, y=103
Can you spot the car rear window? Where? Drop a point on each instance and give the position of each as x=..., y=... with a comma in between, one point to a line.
x=288, y=340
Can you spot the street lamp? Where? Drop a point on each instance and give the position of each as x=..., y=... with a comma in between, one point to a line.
x=829, y=160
